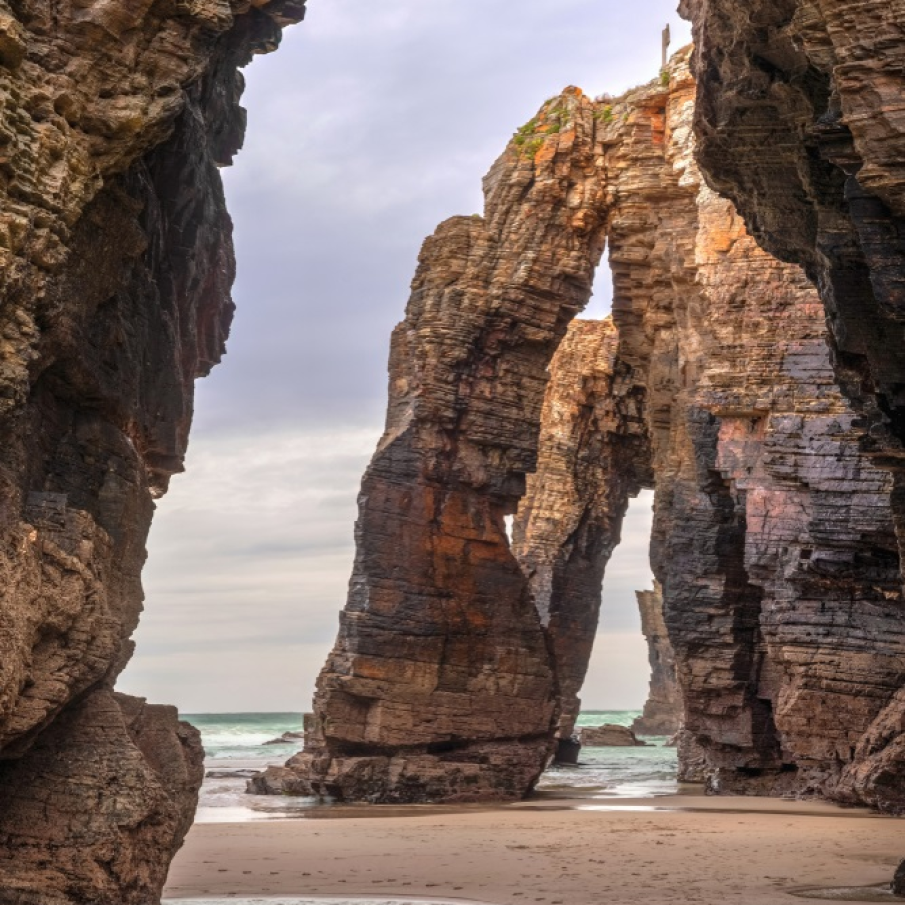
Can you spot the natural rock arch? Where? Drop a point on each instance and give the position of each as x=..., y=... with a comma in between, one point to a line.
x=769, y=520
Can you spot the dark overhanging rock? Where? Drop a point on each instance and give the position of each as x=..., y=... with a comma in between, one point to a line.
x=799, y=121
x=115, y=270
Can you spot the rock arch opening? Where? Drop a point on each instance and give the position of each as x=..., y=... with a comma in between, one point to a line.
x=619, y=671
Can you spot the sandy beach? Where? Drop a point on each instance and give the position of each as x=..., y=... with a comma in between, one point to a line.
x=556, y=851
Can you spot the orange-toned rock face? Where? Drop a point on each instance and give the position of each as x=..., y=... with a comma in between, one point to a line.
x=115, y=271
x=440, y=685
x=773, y=540
x=593, y=457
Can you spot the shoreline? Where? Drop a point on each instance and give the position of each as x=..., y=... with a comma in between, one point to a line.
x=553, y=850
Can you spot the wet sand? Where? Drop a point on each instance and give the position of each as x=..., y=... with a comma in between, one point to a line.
x=648, y=851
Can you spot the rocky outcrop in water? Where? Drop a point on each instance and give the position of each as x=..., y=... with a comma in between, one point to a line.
x=662, y=714
x=117, y=262
x=609, y=736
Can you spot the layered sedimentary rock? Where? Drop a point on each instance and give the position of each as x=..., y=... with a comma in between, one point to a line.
x=662, y=714
x=116, y=263
x=773, y=539
x=800, y=121
x=94, y=811
x=592, y=458
x=440, y=685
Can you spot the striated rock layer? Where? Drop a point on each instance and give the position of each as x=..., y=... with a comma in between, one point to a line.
x=593, y=457
x=773, y=538
x=800, y=120
x=115, y=271
x=440, y=685
x=662, y=714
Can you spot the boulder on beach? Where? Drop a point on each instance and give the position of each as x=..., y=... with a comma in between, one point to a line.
x=897, y=887
x=609, y=736
x=277, y=781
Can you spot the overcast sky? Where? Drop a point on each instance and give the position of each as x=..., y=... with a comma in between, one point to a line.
x=370, y=125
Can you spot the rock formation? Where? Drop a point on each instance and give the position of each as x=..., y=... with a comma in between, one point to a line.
x=800, y=121
x=116, y=263
x=773, y=540
x=440, y=685
x=98, y=806
x=609, y=736
x=897, y=887
x=773, y=537
x=592, y=458
x=662, y=713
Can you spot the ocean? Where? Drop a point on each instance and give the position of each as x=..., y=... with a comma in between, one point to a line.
x=236, y=746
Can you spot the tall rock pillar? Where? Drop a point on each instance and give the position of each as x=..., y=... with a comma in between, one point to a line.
x=440, y=686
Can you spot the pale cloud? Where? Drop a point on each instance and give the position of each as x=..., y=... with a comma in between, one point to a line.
x=374, y=122
x=616, y=679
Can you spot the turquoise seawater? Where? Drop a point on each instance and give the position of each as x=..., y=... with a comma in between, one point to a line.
x=623, y=772
x=235, y=746
x=232, y=736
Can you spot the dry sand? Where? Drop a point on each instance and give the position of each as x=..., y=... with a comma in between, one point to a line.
x=713, y=851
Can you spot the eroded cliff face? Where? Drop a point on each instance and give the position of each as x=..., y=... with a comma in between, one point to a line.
x=440, y=685
x=593, y=457
x=773, y=539
x=116, y=263
x=800, y=121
